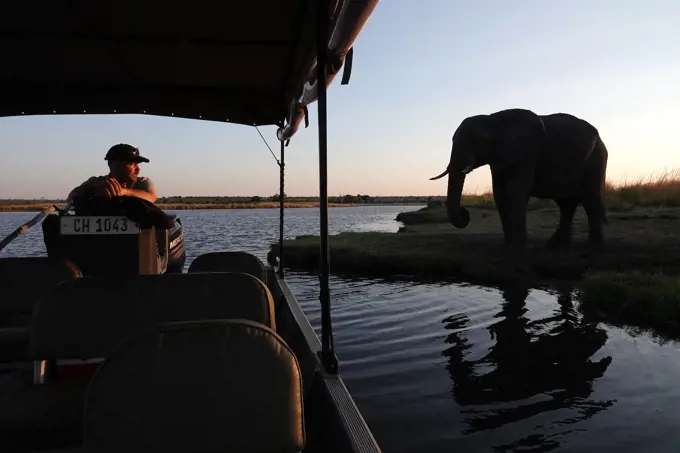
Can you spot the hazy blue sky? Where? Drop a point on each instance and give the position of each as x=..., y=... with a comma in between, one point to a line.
x=420, y=67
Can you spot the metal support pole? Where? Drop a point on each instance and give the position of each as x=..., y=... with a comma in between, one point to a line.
x=282, y=166
x=322, y=23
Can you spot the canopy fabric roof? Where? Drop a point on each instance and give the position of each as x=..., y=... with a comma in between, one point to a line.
x=238, y=61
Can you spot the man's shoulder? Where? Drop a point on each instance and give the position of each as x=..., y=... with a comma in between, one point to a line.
x=143, y=180
x=144, y=183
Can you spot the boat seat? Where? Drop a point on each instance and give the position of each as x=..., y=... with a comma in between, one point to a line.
x=83, y=321
x=22, y=282
x=240, y=392
x=90, y=316
x=234, y=261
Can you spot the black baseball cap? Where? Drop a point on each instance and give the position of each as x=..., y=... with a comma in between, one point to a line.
x=125, y=152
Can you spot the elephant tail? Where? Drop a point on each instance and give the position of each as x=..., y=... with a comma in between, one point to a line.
x=604, y=215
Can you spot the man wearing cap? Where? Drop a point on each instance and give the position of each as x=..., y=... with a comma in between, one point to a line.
x=123, y=179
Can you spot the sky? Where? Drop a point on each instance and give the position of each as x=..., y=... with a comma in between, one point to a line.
x=420, y=67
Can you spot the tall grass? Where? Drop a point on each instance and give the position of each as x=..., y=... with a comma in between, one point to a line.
x=661, y=191
x=651, y=191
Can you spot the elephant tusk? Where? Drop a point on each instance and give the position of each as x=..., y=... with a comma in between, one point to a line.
x=446, y=172
x=467, y=170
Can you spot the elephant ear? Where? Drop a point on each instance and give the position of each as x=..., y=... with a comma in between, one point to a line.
x=519, y=139
x=482, y=127
x=473, y=141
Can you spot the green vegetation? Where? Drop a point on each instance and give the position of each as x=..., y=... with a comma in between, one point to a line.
x=636, y=240
x=648, y=299
x=339, y=200
x=16, y=205
x=636, y=278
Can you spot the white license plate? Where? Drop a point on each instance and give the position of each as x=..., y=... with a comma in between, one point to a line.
x=98, y=225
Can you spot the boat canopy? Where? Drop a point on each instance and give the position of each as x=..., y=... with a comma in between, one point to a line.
x=248, y=62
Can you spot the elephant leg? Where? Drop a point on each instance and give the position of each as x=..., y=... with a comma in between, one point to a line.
x=562, y=237
x=511, y=193
x=595, y=211
x=499, y=199
x=593, y=195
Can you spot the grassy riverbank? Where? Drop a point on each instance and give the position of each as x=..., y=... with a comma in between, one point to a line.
x=640, y=239
x=636, y=278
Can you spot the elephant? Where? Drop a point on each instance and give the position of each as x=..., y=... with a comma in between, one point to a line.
x=556, y=156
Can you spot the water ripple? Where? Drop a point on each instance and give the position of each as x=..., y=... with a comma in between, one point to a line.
x=442, y=367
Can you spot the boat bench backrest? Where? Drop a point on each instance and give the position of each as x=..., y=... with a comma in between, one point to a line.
x=233, y=261
x=23, y=281
x=96, y=247
x=91, y=316
x=240, y=392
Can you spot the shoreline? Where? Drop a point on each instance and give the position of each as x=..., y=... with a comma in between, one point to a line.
x=201, y=206
x=634, y=280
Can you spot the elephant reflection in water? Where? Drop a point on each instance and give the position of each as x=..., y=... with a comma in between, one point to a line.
x=559, y=157
x=527, y=364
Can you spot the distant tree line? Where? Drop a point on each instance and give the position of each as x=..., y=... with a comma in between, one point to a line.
x=26, y=201
x=349, y=199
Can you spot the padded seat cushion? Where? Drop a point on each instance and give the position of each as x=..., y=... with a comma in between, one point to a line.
x=91, y=317
x=236, y=261
x=213, y=386
x=24, y=280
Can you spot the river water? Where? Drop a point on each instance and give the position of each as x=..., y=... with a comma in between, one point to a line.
x=462, y=368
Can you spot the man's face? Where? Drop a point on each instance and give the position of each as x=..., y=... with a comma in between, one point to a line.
x=124, y=171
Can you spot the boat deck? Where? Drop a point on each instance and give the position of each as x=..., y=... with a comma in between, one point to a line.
x=222, y=325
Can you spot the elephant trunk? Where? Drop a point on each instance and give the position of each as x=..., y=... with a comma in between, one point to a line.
x=458, y=215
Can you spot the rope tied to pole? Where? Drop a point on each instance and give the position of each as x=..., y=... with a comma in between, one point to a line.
x=268, y=147
x=26, y=226
x=272, y=257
